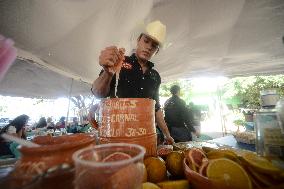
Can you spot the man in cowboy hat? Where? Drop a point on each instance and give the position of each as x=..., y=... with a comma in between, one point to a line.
x=137, y=78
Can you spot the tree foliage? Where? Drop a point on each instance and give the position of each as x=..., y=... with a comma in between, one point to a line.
x=3, y=109
x=185, y=85
x=82, y=104
x=244, y=90
x=248, y=88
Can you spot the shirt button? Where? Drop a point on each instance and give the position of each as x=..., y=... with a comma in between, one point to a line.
x=143, y=78
x=141, y=88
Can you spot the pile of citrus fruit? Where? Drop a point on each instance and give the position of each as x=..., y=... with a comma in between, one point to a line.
x=165, y=174
x=227, y=168
x=223, y=168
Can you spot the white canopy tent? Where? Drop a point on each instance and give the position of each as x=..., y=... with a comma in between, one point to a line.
x=58, y=40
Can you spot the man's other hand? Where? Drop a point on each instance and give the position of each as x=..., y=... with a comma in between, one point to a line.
x=197, y=133
x=169, y=140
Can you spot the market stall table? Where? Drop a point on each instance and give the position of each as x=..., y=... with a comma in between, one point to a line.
x=231, y=141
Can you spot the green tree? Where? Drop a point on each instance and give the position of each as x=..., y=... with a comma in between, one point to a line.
x=3, y=105
x=82, y=104
x=185, y=85
x=3, y=109
x=248, y=88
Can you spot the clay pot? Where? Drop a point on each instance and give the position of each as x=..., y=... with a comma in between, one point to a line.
x=126, y=117
x=197, y=180
x=149, y=142
x=52, y=152
x=130, y=120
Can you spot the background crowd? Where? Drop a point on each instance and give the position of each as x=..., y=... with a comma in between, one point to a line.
x=45, y=126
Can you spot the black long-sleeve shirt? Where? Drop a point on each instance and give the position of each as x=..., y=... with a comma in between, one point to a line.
x=133, y=83
x=177, y=114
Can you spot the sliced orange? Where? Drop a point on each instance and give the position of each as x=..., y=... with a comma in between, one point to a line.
x=191, y=166
x=207, y=149
x=203, y=167
x=126, y=177
x=229, y=151
x=195, y=156
x=260, y=164
x=228, y=174
x=116, y=156
x=255, y=182
x=222, y=153
x=261, y=178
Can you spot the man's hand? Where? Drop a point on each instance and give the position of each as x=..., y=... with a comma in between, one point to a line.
x=110, y=59
x=169, y=140
x=197, y=134
x=8, y=54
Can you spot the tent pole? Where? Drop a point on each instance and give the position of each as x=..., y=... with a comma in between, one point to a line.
x=69, y=99
x=221, y=112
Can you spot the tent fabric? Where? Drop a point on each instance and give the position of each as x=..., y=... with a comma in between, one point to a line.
x=204, y=37
x=31, y=80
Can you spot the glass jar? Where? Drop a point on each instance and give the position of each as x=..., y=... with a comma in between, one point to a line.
x=280, y=113
x=269, y=139
x=269, y=98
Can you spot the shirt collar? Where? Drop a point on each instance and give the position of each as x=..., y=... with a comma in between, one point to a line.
x=150, y=64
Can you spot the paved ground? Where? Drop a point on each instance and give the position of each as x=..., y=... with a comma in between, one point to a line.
x=212, y=127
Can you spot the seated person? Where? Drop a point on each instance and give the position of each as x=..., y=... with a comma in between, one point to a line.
x=61, y=123
x=16, y=128
x=41, y=123
x=86, y=125
x=74, y=127
x=50, y=124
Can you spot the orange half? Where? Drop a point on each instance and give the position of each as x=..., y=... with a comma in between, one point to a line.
x=228, y=174
x=261, y=164
x=116, y=156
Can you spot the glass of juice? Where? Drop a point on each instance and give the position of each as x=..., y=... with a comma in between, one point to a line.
x=109, y=166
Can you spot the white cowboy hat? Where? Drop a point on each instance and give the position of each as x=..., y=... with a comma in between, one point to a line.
x=157, y=31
